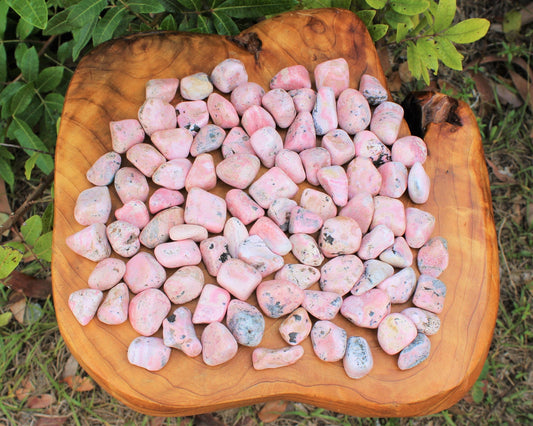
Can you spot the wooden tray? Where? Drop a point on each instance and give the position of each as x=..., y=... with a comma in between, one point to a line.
x=109, y=85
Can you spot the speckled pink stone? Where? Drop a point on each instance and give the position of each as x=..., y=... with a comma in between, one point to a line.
x=209, y=138
x=418, y=184
x=103, y=170
x=335, y=182
x=375, y=242
x=280, y=212
x=386, y=121
x=301, y=133
x=215, y=251
x=246, y=323
x=353, y=111
x=290, y=162
x=218, y=344
x=415, y=353
x=432, y=258
x=156, y=114
x=280, y=105
x=254, y=251
x=123, y=237
x=173, y=143
x=125, y=133
x=334, y=73
x=319, y=203
x=389, y=212
x=107, y=273
x=158, y=229
x=278, y=297
x=363, y=177
x=172, y=174
x=429, y=294
x=179, y=332
x=228, y=74
x=303, y=276
x=368, y=145
x=91, y=242
x=212, y=305
x=239, y=278
x=222, y=111
x=196, y=86
x=114, y=308
x=399, y=254
x=202, y=173
x=256, y=117
x=145, y=157
x=163, y=198
x=143, y=272
x=361, y=209
x=238, y=170
x=196, y=233
x=329, y=341
x=372, y=89
x=84, y=303
x=368, y=309
x=236, y=142
x=192, y=116
x=149, y=353
x=313, y=160
x=246, y=95
x=147, y=310
x=266, y=143
x=339, y=274
x=242, y=206
x=272, y=235
x=131, y=184
x=93, y=205
x=184, y=285
x=419, y=226
x=178, y=253
x=306, y=250
x=235, y=233
x=206, y=209
x=357, y=361
x=296, y=327
x=426, y=322
x=272, y=185
x=263, y=358
x=409, y=150
x=400, y=286
x=394, y=179
x=395, y=332
x=339, y=235
x=134, y=212
x=339, y=145
x=375, y=272
x=291, y=78
x=304, y=99
x=325, y=111
x=303, y=221
x=323, y=305
x=162, y=88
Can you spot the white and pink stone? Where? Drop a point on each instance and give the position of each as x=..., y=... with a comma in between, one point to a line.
x=426, y=322
x=103, y=170
x=339, y=145
x=372, y=89
x=246, y=95
x=429, y=294
x=375, y=242
x=339, y=235
x=264, y=358
x=149, y=353
x=368, y=309
x=91, y=242
x=147, y=310
x=323, y=305
x=229, y=74
x=415, y=353
x=184, y=285
x=272, y=185
x=339, y=274
x=179, y=332
x=163, y=198
x=107, y=273
x=172, y=174
x=114, y=308
x=123, y=237
x=212, y=305
x=254, y=251
x=256, y=117
x=93, y=205
x=353, y=111
x=335, y=182
x=205, y=209
x=218, y=344
x=400, y=286
x=360, y=208
x=125, y=134
x=409, y=150
x=386, y=121
x=134, y=212
x=156, y=114
x=291, y=78
x=296, y=327
x=334, y=73
x=329, y=341
x=272, y=235
x=277, y=298
x=202, y=173
x=395, y=332
x=375, y=272
x=239, y=278
x=172, y=143
x=280, y=105
x=242, y=206
x=357, y=361
x=319, y=203
x=432, y=258
x=238, y=170
x=143, y=271
x=192, y=116
x=280, y=212
x=367, y=144
x=419, y=227
x=145, y=157
x=178, y=253
x=306, y=250
x=245, y=322
x=196, y=86
x=222, y=111
x=301, y=134
x=84, y=304
x=399, y=254
x=196, y=233
x=418, y=184
x=235, y=233
x=162, y=88
x=209, y=138
x=303, y=276
x=266, y=143
x=313, y=160
x=325, y=111
x=394, y=179
x=236, y=142
x=363, y=177
x=389, y=212
x=303, y=221
x=215, y=251
x=157, y=231
x=304, y=99
x=290, y=162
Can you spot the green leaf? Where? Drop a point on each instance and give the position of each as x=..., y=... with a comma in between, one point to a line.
x=29, y=64
x=168, y=23
x=24, y=29
x=401, y=32
x=6, y=172
x=32, y=313
x=20, y=50
x=85, y=11
x=171, y=6
x=341, y=4
x=512, y=21
x=224, y=24
x=24, y=96
x=448, y=54
x=246, y=9
x=4, y=7
x=444, y=15
x=477, y=393
x=108, y=24
x=394, y=19
x=33, y=11
x=376, y=4
x=467, y=31
x=43, y=247
x=59, y=24
x=7, y=94
x=9, y=260
x=28, y=139
x=3, y=63
x=413, y=60
x=65, y=51
x=82, y=37
x=48, y=217
x=145, y=6
x=191, y=4
x=409, y=7
x=31, y=229
x=29, y=165
x=203, y=24
x=378, y=31
x=49, y=78
x=428, y=53
x=366, y=16
x=5, y=318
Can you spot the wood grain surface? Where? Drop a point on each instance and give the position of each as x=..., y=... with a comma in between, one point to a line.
x=109, y=85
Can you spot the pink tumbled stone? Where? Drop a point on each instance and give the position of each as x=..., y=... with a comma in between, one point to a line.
x=209, y=138
x=323, y=305
x=339, y=145
x=291, y=78
x=395, y=332
x=415, y=353
x=419, y=226
x=339, y=274
x=400, y=286
x=280, y=105
x=172, y=174
x=394, y=179
x=178, y=253
x=246, y=323
x=149, y=353
x=196, y=86
x=263, y=358
x=235, y=233
x=147, y=310
x=363, y=177
x=215, y=251
x=335, y=182
x=266, y=143
x=228, y=74
x=372, y=89
x=218, y=344
x=279, y=297
x=375, y=242
x=353, y=111
x=158, y=229
x=398, y=255
x=329, y=341
x=256, y=117
x=103, y=170
x=296, y=327
x=93, y=205
x=325, y=111
x=242, y=206
x=368, y=145
x=432, y=258
x=145, y=158
x=131, y=184
x=123, y=237
x=134, y=212
x=303, y=221
x=206, y=209
x=375, y=272
x=319, y=203
x=202, y=173
x=418, y=184
x=91, y=242
x=290, y=162
x=162, y=88
x=339, y=235
x=179, y=332
x=107, y=273
x=409, y=150
x=212, y=305
x=368, y=309
x=301, y=134
x=426, y=322
x=246, y=95
x=334, y=73
x=389, y=212
x=361, y=209
x=84, y=303
x=272, y=235
x=236, y=142
x=254, y=251
x=184, y=285
x=429, y=294
x=303, y=276
x=386, y=121
x=143, y=271
x=114, y=308
x=272, y=185
x=306, y=250
x=222, y=111
x=156, y=114
x=192, y=116
x=304, y=99
x=239, y=278
x=125, y=134
x=173, y=143
x=357, y=361
x=280, y=212
x=313, y=160
x=196, y=233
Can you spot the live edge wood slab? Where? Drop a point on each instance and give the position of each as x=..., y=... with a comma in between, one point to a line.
x=109, y=85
